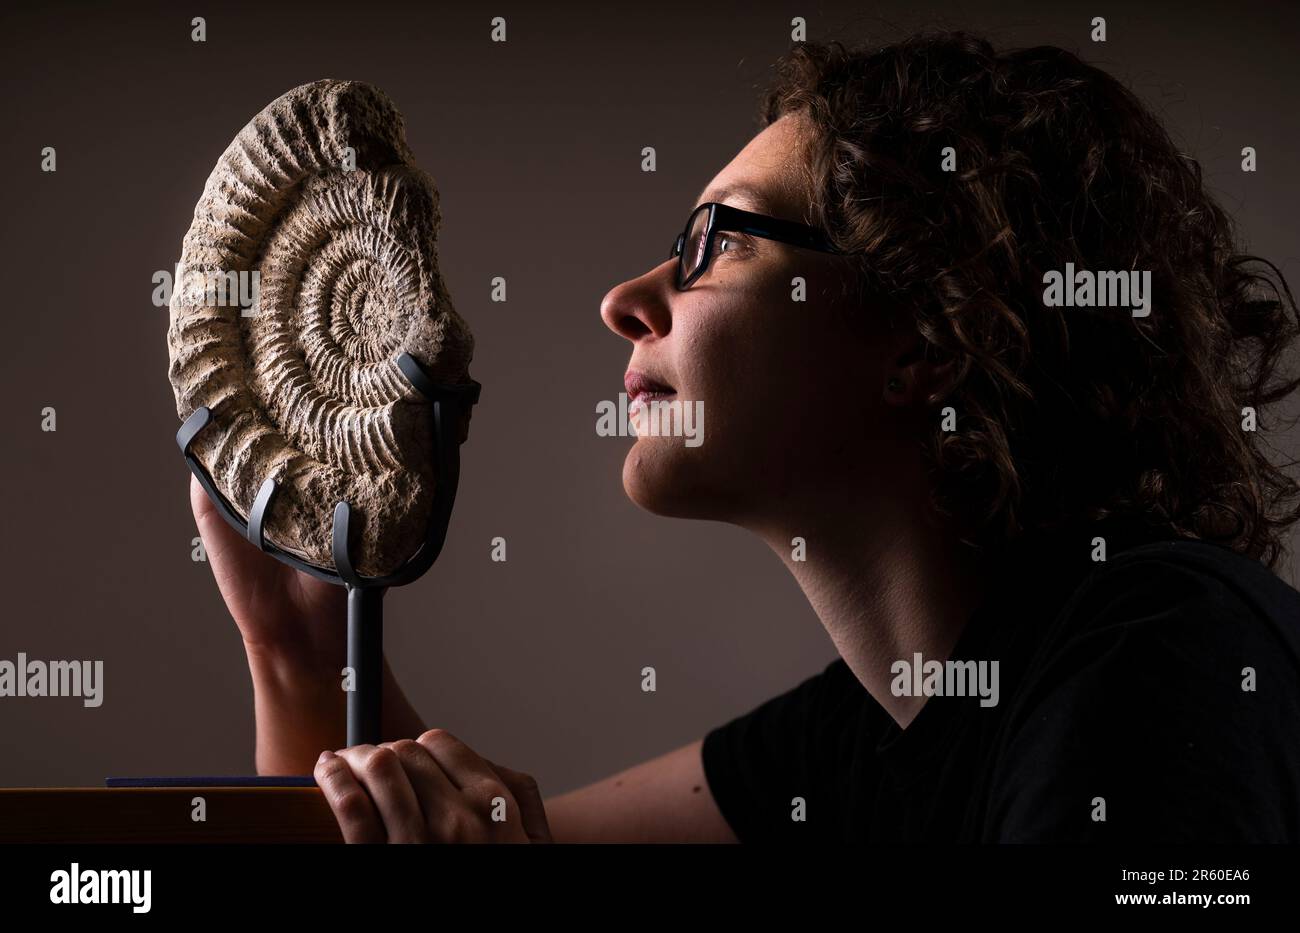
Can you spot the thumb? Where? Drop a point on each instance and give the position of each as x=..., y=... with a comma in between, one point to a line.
x=216, y=531
x=218, y=535
x=236, y=564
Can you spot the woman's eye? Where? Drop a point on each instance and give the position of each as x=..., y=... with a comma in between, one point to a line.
x=730, y=242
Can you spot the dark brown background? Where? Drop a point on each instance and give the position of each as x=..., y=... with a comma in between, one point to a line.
x=535, y=145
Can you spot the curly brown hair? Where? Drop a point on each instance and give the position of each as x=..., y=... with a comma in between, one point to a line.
x=1064, y=414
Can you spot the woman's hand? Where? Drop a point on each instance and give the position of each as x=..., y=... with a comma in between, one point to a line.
x=295, y=634
x=279, y=610
x=433, y=789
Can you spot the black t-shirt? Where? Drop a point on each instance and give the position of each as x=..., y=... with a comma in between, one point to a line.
x=1159, y=689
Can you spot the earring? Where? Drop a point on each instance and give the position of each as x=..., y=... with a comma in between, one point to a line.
x=895, y=385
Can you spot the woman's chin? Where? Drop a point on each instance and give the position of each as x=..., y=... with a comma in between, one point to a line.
x=666, y=481
x=644, y=481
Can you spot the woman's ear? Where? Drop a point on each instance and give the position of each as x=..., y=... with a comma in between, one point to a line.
x=916, y=374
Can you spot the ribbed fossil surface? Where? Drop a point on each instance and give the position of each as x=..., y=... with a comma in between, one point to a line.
x=302, y=381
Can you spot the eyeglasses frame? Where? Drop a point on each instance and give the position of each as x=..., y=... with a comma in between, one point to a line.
x=724, y=218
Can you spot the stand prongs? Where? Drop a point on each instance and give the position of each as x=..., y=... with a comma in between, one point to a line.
x=258, y=513
x=196, y=422
x=447, y=405
x=339, y=545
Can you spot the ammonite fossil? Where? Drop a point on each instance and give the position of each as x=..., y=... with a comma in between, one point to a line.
x=309, y=267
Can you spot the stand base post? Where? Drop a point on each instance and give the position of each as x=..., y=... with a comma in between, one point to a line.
x=366, y=658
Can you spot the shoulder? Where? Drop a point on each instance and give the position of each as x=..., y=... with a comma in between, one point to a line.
x=1168, y=690
x=1169, y=616
x=1198, y=596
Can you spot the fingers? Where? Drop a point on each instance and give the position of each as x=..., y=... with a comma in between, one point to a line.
x=216, y=534
x=200, y=504
x=481, y=789
x=352, y=806
x=379, y=770
x=529, y=798
x=462, y=765
x=229, y=553
x=435, y=794
x=436, y=789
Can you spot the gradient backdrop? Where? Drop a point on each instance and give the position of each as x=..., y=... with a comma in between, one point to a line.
x=535, y=145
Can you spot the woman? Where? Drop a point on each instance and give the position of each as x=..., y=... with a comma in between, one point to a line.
x=981, y=364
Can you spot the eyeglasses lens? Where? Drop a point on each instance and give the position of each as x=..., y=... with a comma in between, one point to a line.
x=693, y=245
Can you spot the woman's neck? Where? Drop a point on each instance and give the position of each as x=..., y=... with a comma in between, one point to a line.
x=886, y=578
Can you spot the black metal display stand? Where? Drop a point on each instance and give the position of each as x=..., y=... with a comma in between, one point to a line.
x=365, y=594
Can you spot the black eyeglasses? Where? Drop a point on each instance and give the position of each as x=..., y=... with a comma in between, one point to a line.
x=694, y=246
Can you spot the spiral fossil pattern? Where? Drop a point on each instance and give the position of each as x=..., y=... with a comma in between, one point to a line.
x=302, y=384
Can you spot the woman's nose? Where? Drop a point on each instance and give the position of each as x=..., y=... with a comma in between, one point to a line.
x=639, y=307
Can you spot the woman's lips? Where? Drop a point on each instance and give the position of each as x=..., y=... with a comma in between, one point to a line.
x=642, y=388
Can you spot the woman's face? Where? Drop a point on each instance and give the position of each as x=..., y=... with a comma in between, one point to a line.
x=790, y=391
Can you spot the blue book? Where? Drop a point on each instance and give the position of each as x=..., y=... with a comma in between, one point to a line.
x=259, y=781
